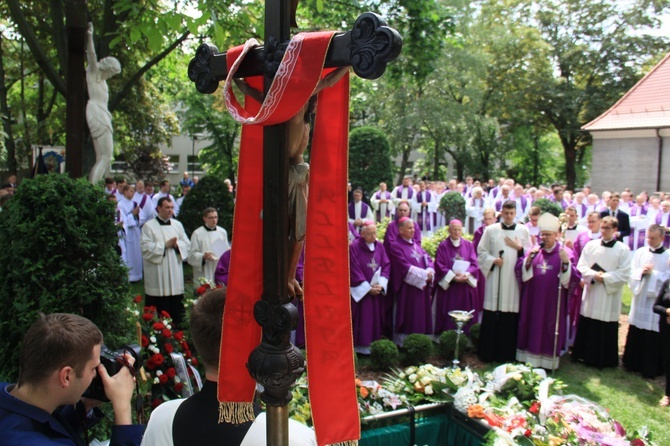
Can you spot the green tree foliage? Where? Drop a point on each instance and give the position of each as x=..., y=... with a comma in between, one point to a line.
x=206, y=116
x=595, y=52
x=369, y=159
x=58, y=237
x=211, y=191
x=143, y=35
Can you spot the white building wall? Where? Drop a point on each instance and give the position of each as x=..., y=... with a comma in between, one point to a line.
x=622, y=159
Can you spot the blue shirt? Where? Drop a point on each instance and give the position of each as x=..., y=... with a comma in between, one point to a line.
x=22, y=424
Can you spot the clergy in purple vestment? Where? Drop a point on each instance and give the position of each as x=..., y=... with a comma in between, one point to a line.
x=411, y=281
x=392, y=232
x=382, y=204
x=638, y=223
x=540, y=271
x=423, y=207
x=404, y=192
x=358, y=211
x=369, y=270
x=456, y=273
x=222, y=267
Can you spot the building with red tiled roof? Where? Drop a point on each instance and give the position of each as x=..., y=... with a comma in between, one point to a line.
x=631, y=140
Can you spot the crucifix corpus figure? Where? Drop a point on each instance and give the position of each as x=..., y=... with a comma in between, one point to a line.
x=298, y=175
x=98, y=116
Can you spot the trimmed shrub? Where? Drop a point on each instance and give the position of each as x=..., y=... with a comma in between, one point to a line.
x=384, y=354
x=58, y=237
x=548, y=206
x=452, y=205
x=211, y=191
x=447, y=344
x=369, y=159
x=418, y=348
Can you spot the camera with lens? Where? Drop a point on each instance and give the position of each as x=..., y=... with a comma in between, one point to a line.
x=113, y=361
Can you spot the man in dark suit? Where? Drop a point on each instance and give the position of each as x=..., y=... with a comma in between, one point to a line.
x=614, y=211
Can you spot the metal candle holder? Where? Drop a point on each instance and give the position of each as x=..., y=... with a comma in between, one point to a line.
x=461, y=318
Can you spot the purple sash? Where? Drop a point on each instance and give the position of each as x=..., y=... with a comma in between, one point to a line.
x=352, y=210
x=144, y=200
x=581, y=210
x=410, y=192
x=641, y=233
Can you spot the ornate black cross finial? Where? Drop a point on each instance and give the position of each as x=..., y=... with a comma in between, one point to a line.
x=368, y=48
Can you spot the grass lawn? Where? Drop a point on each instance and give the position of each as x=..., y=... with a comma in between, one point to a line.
x=631, y=399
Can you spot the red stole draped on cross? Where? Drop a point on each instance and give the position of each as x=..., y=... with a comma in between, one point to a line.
x=327, y=303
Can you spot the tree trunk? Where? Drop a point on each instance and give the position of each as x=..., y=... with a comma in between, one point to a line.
x=6, y=117
x=404, y=162
x=536, y=158
x=460, y=169
x=570, y=161
x=436, y=162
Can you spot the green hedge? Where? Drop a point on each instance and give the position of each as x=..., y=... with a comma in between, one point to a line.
x=211, y=191
x=58, y=237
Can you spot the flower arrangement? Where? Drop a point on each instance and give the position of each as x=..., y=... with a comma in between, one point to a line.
x=524, y=406
x=158, y=341
x=372, y=399
x=521, y=405
x=425, y=383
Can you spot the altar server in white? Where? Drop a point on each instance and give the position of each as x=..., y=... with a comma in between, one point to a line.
x=130, y=215
x=200, y=256
x=501, y=246
x=649, y=269
x=164, y=248
x=605, y=268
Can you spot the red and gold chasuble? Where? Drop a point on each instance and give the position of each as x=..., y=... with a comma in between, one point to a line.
x=328, y=331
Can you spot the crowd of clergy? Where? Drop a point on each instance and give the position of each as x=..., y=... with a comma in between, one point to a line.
x=539, y=286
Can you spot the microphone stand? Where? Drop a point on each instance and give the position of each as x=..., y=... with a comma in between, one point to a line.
x=558, y=316
x=564, y=225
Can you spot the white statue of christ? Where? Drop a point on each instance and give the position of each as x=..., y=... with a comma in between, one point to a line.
x=98, y=117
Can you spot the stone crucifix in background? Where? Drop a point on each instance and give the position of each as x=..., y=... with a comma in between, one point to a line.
x=98, y=116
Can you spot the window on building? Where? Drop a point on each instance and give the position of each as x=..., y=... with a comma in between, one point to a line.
x=194, y=165
x=173, y=163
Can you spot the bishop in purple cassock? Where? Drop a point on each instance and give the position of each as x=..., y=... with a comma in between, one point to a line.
x=222, y=269
x=455, y=289
x=369, y=270
x=390, y=237
x=541, y=270
x=411, y=280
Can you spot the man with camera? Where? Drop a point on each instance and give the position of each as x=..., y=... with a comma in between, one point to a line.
x=59, y=359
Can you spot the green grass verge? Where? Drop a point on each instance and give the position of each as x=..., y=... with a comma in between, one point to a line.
x=631, y=399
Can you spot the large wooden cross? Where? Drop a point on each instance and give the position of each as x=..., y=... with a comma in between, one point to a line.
x=367, y=49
